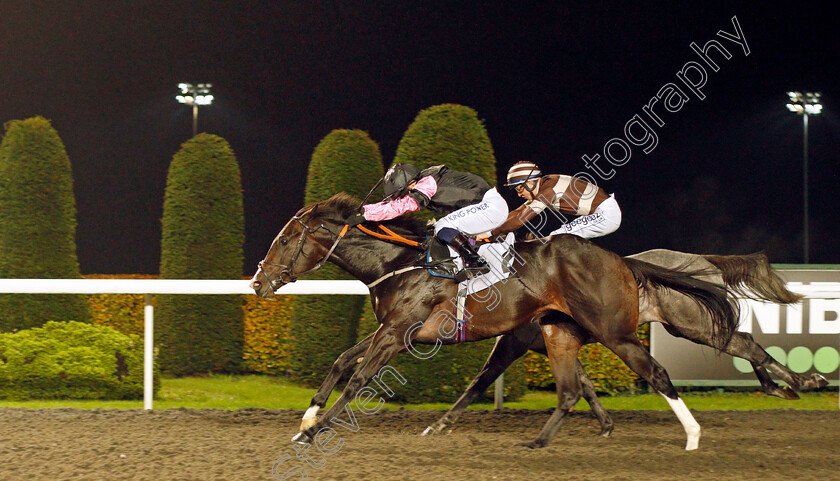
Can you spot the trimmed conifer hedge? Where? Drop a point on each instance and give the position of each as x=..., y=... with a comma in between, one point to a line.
x=37, y=224
x=203, y=234
x=451, y=135
x=324, y=326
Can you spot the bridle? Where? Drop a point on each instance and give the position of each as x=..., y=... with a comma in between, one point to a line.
x=285, y=275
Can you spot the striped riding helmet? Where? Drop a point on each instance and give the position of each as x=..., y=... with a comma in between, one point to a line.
x=521, y=172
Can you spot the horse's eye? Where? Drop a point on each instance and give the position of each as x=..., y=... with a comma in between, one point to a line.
x=284, y=242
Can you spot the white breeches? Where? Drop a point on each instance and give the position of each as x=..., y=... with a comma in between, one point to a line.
x=474, y=219
x=604, y=220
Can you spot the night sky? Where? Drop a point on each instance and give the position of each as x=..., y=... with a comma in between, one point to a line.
x=552, y=81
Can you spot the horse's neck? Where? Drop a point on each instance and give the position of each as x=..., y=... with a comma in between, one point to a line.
x=368, y=259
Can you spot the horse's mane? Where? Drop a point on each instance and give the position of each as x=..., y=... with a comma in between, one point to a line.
x=344, y=205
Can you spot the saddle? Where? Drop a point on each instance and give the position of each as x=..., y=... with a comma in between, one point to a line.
x=436, y=259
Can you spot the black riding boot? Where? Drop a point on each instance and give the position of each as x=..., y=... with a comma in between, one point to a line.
x=473, y=263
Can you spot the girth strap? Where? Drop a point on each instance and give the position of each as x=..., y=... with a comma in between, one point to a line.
x=392, y=274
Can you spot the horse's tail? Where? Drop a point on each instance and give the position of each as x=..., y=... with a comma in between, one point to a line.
x=723, y=310
x=752, y=277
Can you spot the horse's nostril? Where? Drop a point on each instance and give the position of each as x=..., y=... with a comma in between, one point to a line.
x=256, y=284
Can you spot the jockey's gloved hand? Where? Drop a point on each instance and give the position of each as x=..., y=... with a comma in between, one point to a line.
x=355, y=219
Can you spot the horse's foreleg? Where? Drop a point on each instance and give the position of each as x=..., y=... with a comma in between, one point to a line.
x=385, y=344
x=345, y=361
x=508, y=348
x=631, y=351
x=562, y=342
x=595, y=405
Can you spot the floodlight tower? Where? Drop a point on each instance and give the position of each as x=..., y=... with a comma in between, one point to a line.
x=805, y=104
x=195, y=95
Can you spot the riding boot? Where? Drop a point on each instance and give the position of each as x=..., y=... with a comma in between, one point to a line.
x=473, y=263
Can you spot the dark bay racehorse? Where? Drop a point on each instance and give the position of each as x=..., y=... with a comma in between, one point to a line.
x=595, y=289
x=750, y=276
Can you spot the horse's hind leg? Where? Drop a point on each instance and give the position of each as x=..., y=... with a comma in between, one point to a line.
x=562, y=342
x=740, y=345
x=631, y=351
x=345, y=362
x=508, y=349
x=743, y=345
x=769, y=385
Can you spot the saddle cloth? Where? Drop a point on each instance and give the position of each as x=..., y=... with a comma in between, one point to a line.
x=498, y=255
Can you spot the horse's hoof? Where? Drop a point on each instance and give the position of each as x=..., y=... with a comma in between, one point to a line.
x=301, y=438
x=786, y=392
x=819, y=381
x=535, y=444
x=429, y=431
x=307, y=423
x=692, y=443
x=606, y=432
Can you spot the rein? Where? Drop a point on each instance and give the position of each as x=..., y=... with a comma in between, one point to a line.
x=285, y=275
x=388, y=236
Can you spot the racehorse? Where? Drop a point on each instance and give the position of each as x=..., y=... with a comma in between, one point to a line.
x=596, y=289
x=750, y=276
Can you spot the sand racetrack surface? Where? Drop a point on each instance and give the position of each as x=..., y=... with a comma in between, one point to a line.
x=208, y=444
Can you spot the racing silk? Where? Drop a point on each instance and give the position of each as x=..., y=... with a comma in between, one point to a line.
x=563, y=193
x=454, y=189
x=391, y=209
x=440, y=188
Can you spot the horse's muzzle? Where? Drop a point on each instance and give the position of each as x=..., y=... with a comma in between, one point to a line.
x=262, y=288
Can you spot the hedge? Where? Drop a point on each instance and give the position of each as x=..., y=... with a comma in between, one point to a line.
x=37, y=224
x=123, y=312
x=266, y=332
x=71, y=360
x=452, y=135
x=325, y=325
x=268, y=341
x=203, y=233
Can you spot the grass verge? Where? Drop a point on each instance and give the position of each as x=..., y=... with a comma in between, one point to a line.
x=237, y=392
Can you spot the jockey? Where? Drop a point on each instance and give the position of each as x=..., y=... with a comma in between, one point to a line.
x=466, y=201
x=598, y=211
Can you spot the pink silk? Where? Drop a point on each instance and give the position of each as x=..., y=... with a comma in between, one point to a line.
x=387, y=210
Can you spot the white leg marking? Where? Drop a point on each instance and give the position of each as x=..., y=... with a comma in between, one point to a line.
x=310, y=417
x=692, y=428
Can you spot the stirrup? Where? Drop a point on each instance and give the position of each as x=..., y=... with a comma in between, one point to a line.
x=470, y=272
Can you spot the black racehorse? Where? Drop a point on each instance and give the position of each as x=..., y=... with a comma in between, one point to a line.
x=750, y=276
x=595, y=289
